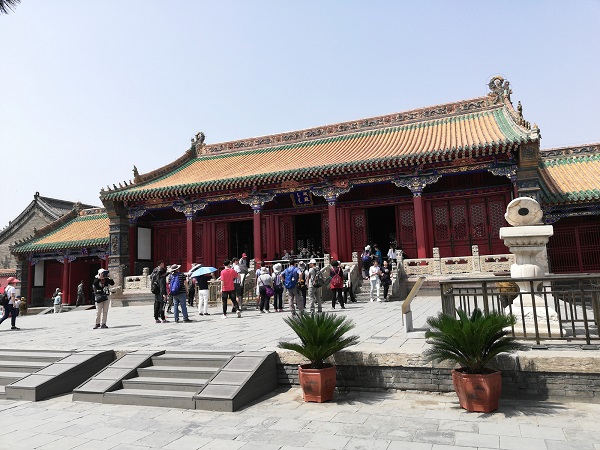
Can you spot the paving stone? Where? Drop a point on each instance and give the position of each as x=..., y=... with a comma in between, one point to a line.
x=434, y=437
x=555, y=434
x=367, y=444
x=477, y=440
x=521, y=443
x=403, y=445
x=327, y=441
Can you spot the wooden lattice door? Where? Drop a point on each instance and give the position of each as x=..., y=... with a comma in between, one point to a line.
x=222, y=241
x=170, y=244
x=405, y=230
x=358, y=230
x=286, y=234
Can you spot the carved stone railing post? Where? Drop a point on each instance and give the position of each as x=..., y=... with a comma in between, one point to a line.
x=355, y=257
x=437, y=264
x=476, y=261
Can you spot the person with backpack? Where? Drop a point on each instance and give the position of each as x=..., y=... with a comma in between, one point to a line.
x=228, y=288
x=158, y=286
x=302, y=282
x=337, y=284
x=315, y=281
x=178, y=286
x=10, y=303
x=374, y=273
x=277, y=288
x=290, y=283
x=57, y=300
x=101, y=286
x=365, y=259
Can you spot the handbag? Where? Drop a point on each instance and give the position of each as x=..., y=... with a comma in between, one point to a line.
x=99, y=298
x=269, y=292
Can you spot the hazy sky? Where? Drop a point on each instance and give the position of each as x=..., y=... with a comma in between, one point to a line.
x=90, y=88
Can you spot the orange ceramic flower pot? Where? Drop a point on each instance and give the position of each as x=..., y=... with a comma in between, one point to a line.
x=317, y=384
x=478, y=392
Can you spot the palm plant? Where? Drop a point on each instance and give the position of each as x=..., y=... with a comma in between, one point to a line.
x=8, y=5
x=470, y=341
x=321, y=336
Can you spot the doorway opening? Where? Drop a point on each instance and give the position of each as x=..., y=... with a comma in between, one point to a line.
x=241, y=238
x=381, y=227
x=308, y=233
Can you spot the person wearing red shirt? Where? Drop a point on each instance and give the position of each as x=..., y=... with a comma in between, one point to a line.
x=228, y=277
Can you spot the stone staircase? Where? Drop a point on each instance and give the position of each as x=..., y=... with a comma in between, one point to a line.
x=17, y=364
x=38, y=374
x=212, y=380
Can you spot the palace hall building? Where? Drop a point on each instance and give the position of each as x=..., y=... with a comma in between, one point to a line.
x=433, y=177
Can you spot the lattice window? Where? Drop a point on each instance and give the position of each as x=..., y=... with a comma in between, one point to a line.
x=221, y=238
x=496, y=214
x=478, y=224
x=358, y=231
x=441, y=224
x=459, y=222
x=286, y=238
x=407, y=226
x=198, y=241
x=589, y=241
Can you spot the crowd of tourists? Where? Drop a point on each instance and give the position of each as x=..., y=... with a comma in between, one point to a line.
x=299, y=284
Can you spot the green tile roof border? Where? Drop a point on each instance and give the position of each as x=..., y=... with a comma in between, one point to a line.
x=514, y=135
x=33, y=245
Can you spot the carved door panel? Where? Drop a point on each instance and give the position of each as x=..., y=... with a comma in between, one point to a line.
x=575, y=246
x=170, y=244
x=496, y=207
x=405, y=230
x=222, y=241
x=358, y=229
x=442, y=236
x=480, y=233
x=325, y=232
x=199, y=243
x=286, y=234
x=459, y=219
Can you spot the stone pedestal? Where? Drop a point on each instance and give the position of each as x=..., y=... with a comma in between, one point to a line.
x=527, y=239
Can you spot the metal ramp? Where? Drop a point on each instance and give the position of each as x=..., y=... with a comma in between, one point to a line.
x=210, y=380
x=38, y=374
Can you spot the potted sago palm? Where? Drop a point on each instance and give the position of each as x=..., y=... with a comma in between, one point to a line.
x=321, y=336
x=472, y=342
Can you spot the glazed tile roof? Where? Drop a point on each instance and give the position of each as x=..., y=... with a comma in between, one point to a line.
x=459, y=130
x=84, y=230
x=571, y=174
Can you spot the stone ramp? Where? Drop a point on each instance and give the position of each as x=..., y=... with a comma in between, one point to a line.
x=210, y=380
x=37, y=374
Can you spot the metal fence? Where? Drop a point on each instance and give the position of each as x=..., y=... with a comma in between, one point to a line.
x=562, y=307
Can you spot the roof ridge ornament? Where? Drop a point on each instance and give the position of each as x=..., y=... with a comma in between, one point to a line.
x=198, y=142
x=500, y=89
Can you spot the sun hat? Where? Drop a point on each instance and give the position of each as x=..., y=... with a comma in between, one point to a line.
x=312, y=261
x=244, y=255
x=100, y=272
x=11, y=280
x=277, y=267
x=172, y=268
x=264, y=269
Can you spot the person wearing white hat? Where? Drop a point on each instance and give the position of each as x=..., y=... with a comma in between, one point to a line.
x=277, y=288
x=101, y=284
x=10, y=308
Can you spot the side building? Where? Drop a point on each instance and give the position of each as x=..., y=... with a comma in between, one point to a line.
x=40, y=212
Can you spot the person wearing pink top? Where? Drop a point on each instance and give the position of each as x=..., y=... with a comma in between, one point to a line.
x=228, y=277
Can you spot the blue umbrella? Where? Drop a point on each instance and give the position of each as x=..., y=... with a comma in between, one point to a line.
x=202, y=271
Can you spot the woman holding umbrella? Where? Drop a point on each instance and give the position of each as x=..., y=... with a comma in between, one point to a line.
x=202, y=276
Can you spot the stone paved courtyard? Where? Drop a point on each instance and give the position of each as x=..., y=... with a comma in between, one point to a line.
x=355, y=420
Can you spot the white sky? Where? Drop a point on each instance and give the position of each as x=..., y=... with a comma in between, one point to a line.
x=90, y=88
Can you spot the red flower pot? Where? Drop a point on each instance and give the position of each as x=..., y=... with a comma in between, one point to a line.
x=477, y=392
x=317, y=384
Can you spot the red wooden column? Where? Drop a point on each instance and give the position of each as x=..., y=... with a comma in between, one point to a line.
x=29, y=282
x=333, y=231
x=65, y=281
x=256, y=230
x=420, y=226
x=190, y=256
x=132, y=248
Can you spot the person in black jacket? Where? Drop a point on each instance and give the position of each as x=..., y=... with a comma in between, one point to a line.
x=101, y=284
